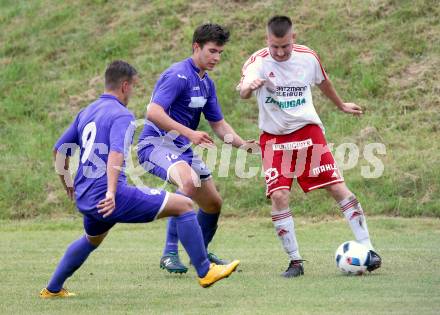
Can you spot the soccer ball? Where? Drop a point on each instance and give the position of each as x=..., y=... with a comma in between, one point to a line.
x=352, y=258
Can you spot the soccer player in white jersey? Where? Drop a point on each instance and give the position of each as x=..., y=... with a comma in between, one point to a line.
x=292, y=140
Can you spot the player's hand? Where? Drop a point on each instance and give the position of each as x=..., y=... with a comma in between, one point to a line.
x=256, y=84
x=201, y=138
x=352, y=108
x=67, y=181
x=252, y=146
x=70, y=192
x=107, y=205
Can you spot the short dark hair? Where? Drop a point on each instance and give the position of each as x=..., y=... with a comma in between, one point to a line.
x=211, y=33
x=279, y=25
x=117, y=72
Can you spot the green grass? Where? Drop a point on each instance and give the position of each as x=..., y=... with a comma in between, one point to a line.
x=123, y=275
x=383, y=55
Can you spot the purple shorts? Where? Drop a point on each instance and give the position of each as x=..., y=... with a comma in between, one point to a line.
x=160, y=154
x=133, y=205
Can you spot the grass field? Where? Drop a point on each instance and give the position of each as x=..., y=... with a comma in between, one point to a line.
x=123, y=275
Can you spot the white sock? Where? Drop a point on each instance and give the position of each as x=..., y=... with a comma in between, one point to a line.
x=285, y=229
x=352, y=210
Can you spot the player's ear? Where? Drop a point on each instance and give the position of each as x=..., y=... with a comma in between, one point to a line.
x=124, y=86
x=196, y=46
x=294, y=36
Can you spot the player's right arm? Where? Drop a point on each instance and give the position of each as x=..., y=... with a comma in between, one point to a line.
x=169, y=88
x=120, y=137
x=157, y=115
x=247, y=89
x=114, y=165
x=63, y=149
x=251, y=79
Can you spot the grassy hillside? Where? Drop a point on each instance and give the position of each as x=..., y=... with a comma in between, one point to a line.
x=383, y=55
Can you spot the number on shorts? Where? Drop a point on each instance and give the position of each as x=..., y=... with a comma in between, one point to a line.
x=88, y=139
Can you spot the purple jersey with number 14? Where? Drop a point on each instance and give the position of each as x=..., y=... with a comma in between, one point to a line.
x=101, y=127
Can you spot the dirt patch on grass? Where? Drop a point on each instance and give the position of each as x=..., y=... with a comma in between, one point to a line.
x=417, y=72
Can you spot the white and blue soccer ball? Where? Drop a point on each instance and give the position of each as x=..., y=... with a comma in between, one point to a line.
x=352, y=258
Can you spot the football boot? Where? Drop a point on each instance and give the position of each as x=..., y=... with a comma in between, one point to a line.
x=171, y=262
x=295, y=269
x=218, y=272
x=46, y=294
x=374, y=261
x=216, y=260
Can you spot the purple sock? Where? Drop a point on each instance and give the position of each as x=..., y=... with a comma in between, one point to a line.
x=172, y=242
x=73, y=258
x=191, y=237
x=208, y=224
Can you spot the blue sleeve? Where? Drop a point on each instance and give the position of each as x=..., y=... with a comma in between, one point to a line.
x=212, y=110
x=69, y=141
x=168, y=88
x=121, y=133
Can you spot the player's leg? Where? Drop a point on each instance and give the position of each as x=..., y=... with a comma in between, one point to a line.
x=159, y=156
x=322, y=172
x=354, y=214
x=196, y=183
x=277, y=165
x=191, y=237
x=143, y=204
x=285, y=228
x=210, y=202
x=75, y=255
x=170, y=259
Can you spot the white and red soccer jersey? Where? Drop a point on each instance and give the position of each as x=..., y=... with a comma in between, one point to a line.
x=285, y=101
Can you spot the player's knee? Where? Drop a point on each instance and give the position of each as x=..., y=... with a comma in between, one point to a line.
x=218, y=202
x=280, y=198
x=188, y=188
x=339, y=191
x=188, y=205
x=176, y=205
x=185, y=205
x=96, y=240
x=214, y=205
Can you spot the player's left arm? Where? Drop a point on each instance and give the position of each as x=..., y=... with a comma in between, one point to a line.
x=227, y=134
x=329, y=91
x=221, y=128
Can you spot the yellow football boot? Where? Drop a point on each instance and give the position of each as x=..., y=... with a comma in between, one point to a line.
x=46, y=294
x=218, y=272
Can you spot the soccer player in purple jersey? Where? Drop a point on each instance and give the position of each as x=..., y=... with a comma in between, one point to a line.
x=104, y=132
x=183, y=92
